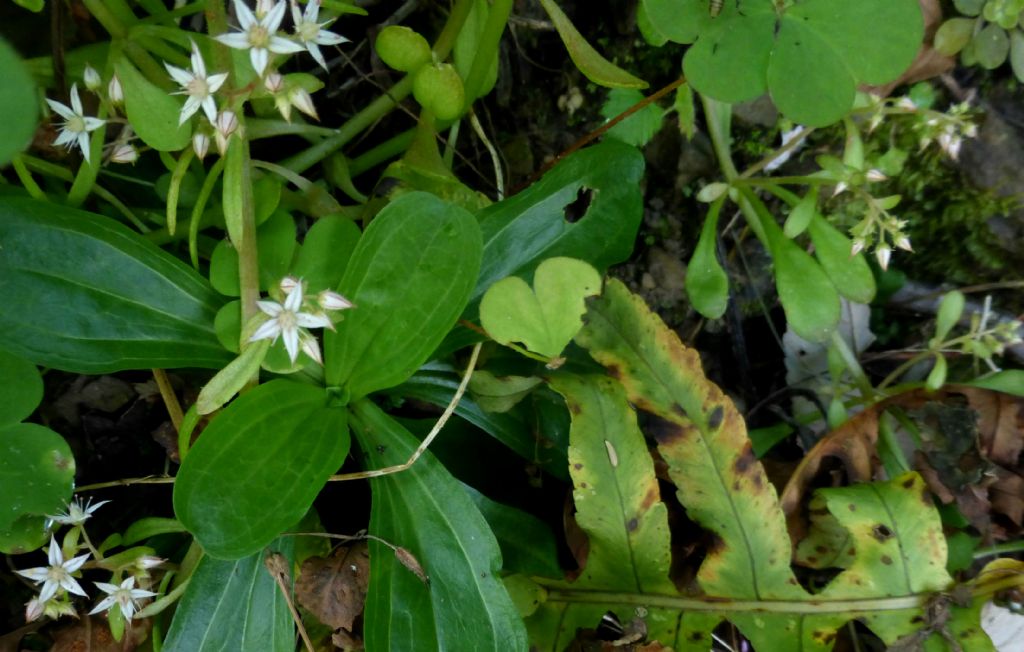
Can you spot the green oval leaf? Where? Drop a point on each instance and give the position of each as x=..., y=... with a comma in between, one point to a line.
x=954, y=34
x=409, y=278
x=800, y=217
x=258, y=466
x=807, y=295
x=851, y=276
x=991, y=46
x=21, y=388
x=546, y=318
x=37, y=472
x=152, y=111
x=326, y=250
x=950, y=310
x=671, y=20
x=233, y=605
x=729, y=60
x=589, y=61
x=425, y=510
x=94, y=297
x=19, y=104
x=707, y=284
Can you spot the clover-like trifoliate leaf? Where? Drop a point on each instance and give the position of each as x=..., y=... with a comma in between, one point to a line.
x=810, y=55
x=546, y=318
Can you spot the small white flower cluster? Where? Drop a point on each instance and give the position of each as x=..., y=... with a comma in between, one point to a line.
x=948, y=129
x=58, y=582
x=257, y=33
x=290, y=319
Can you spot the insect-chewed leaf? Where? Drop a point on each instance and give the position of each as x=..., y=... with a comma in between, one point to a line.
x=704, y=441
x=427, y=512
x=618, y=503
x=900, y=550
x=618, y=506
x=547, y=317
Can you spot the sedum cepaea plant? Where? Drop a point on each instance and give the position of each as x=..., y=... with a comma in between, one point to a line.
x=317, y=314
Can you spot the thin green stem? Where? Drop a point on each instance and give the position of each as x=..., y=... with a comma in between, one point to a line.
x=382, y=105
x=383, y=152
x=26, y=179
x=487, y=48
x=199, y=207
x=257, y=128
x=1007, y=548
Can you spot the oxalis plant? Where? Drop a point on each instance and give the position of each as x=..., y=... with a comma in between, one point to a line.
x=317, y=314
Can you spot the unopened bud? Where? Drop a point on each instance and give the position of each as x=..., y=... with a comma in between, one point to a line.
x=114, y=91
x=858, y=246
x=274, y=83
x=226, y=124
x=875, y=174
x=124, y=153
x=903, y=242
x=91, y=78
x=883, y=254
x=301, y=100
x=289, y=283
x=200, y=144
x=284, y=107
x=34, y=610
x=906, y=103
x=329, y=300
x=840, y=187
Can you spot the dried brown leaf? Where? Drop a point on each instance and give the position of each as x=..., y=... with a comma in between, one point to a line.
x=334, y=588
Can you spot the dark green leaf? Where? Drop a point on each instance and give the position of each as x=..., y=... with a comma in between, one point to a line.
x=527, y=544
x=233, y=605
x=258, y=466
x=511, y=428
x=532, y=225
x=851, y=276
x=21, y=388
x=37, y=472
x=410, y=277
x=19, y=104
x=325, y=252
x=94, y=297
x=428, y=513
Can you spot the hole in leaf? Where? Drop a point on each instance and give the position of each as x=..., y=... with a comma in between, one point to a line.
x=575, y=210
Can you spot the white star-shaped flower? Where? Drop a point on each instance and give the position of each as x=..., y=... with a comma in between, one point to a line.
x=124, y=596
x=57, y=575
x=198, y=86
x=312, y=33
x=76, y=513
x=76, y=126
x=259, y=35
x=286, y=320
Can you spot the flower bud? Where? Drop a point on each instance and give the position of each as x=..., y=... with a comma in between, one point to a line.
x=226, y=124
x=329, y=300
x=289, y=283
x=274, y=83
x=114, y=91
x=883, y=254
x=903, y=242
x=200, y=144
x=840, y=187
x=124, y=153
x=875, y=174
x=34, y=610
x=91, y=78
x=858, y=246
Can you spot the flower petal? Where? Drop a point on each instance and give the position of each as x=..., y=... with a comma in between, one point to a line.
x=76, y=101
x=272, y=21
x=271, y=308
x=281, y=45
x=293, y=302
x=48, y=591
x=37, y=575
x=329, y=38
x=197, y=61
x=62, y=110
x=314, y=51
x=179, y=75
x=106, y=588
x=214, y=82
x=291, y=343
x=192, y=105
x=72, y=565
x=210, y=108
x=236, y=40
x=92, y=124
x=64, y=137
x=259, y=58
x=71, y=586
x=270, y=329
x=104, y=604
x=83, y=144
x=54, y=554
x=311, y=320
x=246, y=18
